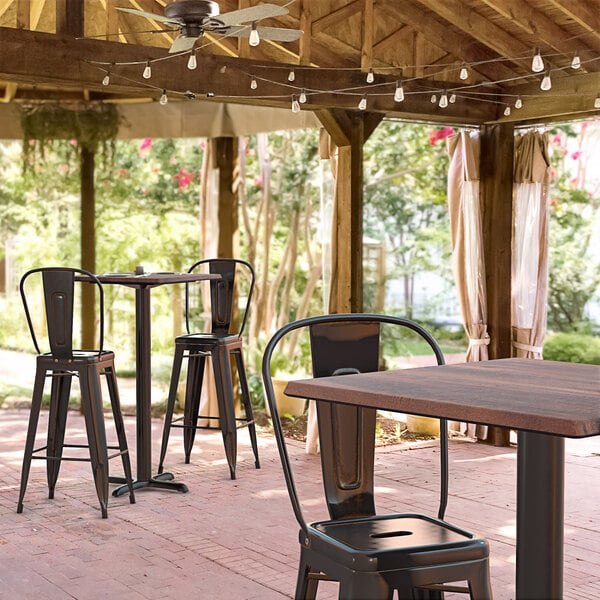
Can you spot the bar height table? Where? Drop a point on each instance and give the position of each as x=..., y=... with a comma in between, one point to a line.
x=143, y=285
x=545, y=401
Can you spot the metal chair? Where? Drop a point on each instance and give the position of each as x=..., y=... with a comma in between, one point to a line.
x=61, y=363
x=369, y=555
x=220, y=344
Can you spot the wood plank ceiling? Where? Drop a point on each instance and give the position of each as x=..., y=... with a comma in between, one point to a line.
x=63, y=49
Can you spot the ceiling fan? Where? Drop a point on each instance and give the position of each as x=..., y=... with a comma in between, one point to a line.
x=195, y=17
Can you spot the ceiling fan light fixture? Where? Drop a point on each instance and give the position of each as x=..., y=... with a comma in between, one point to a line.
x=254, y=39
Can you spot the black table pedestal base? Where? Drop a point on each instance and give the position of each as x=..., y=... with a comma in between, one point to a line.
x=161, y=482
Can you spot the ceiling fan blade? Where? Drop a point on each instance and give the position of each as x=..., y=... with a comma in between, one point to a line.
x=182, y=44
x=253, y=13
x=276, y=34
x=154, y=16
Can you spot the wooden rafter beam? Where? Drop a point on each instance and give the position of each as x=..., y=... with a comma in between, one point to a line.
x=537, y=23
x=585, y=12
x=437, y=33
x=23, y=14
x=368, y=28
x=337, y=16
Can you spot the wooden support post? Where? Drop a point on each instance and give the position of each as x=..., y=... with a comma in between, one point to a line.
x=88, y=244
x=349, y=130
x=497, y=145
x=224, y=159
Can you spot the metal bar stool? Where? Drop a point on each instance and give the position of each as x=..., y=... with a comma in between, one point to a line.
x=219, y=345
x=61, y=364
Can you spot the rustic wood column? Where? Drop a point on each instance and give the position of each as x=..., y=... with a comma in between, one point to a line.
x=497, y=144
x=224, y=155
x=349, y=130
x=88, y=244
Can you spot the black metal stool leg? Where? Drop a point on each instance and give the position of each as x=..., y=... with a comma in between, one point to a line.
x=115, y=403
x=34, y=415
x=57, y=420
x=91, y=400
x=175, y=374
x=239, y=361
x=224, y=385
x=193, y=393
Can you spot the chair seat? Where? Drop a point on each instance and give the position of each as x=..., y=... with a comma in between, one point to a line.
x=79, y=356
x=395, y=542
x=207, y=338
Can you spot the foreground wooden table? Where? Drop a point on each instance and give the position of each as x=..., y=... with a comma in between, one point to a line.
x=143, y=285
x=544, y=400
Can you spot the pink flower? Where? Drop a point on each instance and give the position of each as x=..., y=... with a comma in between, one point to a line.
x=63, y=168
x=123, y=172
x=554, y=202
x=258, y=181
x=440, y=134
x=553, y=173
x=147, y=143
x=202, y=144
x=576, y=155
x=573, y=181
x=73, y=142
x=184, y=178
x=557, y=140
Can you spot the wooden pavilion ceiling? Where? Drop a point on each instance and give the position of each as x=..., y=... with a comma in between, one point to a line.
x=62, y=49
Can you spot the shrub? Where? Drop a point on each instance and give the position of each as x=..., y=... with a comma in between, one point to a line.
x=573, y=347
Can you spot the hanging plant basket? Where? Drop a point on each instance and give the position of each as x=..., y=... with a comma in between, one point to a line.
x=92, y=126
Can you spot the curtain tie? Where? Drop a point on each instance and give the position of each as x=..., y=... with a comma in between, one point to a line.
x=485, y=341
x=528, y=347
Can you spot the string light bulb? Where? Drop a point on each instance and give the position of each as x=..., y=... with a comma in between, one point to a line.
x=443, y=100
x=464, y=72
x=507, y=111
x=147, y=71
x=302, y=96
x=362, y=105
x=537, y=64
x=576, y=62
x=399, y=92
x=452, y=98
x=518, y=102
x=597, y=101
x=295, y=105
x=163, y=99
x=292, y=75
x=253, y=83
x=106, y=80
x=370, y=76
x=254, y=39
x=546, y=82
x=192, y=61
x=433, y=99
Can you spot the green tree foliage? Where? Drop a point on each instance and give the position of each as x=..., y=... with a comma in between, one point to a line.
x=574, y=225
x=405, y=200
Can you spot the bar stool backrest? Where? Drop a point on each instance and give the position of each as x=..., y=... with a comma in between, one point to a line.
x=59, y=292
x=223, y=294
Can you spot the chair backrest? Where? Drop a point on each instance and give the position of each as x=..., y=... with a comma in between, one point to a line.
x=59, y=293
x=223, y=293
x=344, y=344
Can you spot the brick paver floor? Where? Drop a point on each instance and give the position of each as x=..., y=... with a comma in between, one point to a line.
x=237, y=539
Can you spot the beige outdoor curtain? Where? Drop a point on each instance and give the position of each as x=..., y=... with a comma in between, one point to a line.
x=467, y=248
x=530, y=244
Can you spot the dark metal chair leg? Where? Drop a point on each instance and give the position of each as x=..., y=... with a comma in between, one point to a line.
x=193, y=393
x=175, y=373
x=365, y=586
x=91, y=401
x=36, y=405
x=57, y=421
x=241, y=368
x=224, y=385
